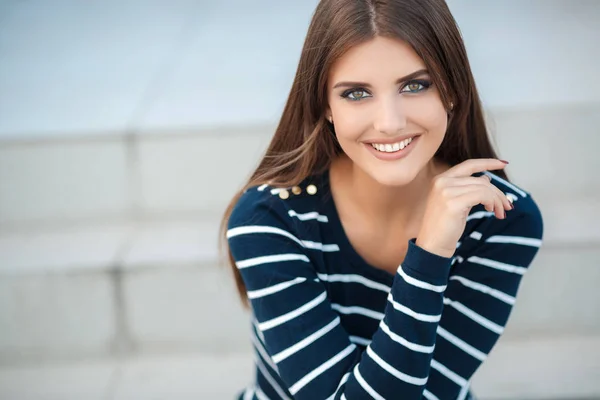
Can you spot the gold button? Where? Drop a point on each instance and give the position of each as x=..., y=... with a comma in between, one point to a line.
x=284, y=194
x=311, y=189
x=296, y=190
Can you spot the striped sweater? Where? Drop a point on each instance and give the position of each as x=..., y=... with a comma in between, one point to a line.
x=327, y=325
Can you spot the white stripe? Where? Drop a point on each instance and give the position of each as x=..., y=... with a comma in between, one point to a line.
x=421, y=284
x=252, y=262
x=399, y=339
x=463, y=392
x=320, y=246
x=282, y=355
x=292, y=314
x=458, y=259
x=260, y=395
x=361, y=381
x=497, y=265
x=475, y=235
x=255, y=294
x=262, y=187
x=458, y=244
x=308, y=216
x=485, y=289
x=250, y=229
x=461, y=344
x=275, y=191
x=510, y=185
x=359, y=340
x=295, y=388
x=515, y=240
x=414, y=314
x=475, y=317
x=352, y=278
x=512, y=198
x=344, y=380
x=259, y=347
x=258, y=331
x=429, y=396
x=479, y=215
x=245, y=230
x=269, y=378
x=249, y=394
x=358, y=310
x=400, y=375
x=453, y=376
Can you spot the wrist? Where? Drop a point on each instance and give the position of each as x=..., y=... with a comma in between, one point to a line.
x=435, y=249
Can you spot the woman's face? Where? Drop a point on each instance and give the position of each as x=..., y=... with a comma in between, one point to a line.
x=379, y=95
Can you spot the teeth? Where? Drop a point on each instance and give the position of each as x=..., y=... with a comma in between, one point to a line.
x=391, y=148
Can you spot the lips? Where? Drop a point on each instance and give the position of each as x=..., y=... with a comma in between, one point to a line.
x=392, y=155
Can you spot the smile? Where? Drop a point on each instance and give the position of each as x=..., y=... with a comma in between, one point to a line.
x=392, y=151
x=392, y=147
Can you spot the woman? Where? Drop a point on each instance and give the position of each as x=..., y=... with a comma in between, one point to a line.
x=380, y=256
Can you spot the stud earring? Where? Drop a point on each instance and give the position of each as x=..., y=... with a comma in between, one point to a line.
x=451, y=106
x=330, y=120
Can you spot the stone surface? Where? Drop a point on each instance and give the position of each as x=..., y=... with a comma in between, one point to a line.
x=63, y=181
x=182, y=308
x=56, y=316
x=91, y=380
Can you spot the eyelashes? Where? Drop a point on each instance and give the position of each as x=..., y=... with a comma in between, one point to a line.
x=414, y=86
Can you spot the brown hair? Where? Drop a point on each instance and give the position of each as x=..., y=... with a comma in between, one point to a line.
x=303, y=143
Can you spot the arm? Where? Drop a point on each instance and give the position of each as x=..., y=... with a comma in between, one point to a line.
x=304, y=343
x=481, y=294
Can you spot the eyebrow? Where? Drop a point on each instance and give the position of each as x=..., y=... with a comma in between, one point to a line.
x=366, y=85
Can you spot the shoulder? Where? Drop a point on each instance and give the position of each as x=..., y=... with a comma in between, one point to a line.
x=272, y=205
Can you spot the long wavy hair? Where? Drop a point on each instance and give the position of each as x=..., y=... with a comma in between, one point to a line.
x=304, y=143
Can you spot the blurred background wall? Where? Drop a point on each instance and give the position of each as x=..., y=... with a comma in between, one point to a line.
x=125, y=128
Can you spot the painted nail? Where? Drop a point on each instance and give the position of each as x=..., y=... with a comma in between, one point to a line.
x=504, y=161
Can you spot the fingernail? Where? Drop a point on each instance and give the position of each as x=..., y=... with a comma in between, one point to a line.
x=512, y=206
x=504, y=161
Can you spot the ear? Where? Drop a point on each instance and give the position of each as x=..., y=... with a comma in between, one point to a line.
x=328, y=115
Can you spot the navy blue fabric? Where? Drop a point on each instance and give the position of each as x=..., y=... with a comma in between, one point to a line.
x=327, y=325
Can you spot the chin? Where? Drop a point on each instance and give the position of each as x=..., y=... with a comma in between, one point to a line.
x=395, y=178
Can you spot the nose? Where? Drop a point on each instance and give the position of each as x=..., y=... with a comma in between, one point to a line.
x=390, y=118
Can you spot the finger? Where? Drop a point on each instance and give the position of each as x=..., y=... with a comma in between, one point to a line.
x=506, y=203
x=471, y=196
x=499, y=209
x=471, y=180
x=500, y=201
x=472, y=166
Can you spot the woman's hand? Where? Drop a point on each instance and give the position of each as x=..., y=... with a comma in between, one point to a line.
x=453, y=194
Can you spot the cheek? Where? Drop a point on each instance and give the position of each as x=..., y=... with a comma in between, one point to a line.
x=350, y=124
x=431, y=116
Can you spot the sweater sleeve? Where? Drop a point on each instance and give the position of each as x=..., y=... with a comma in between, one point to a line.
x=481, y=293
x=303, y=351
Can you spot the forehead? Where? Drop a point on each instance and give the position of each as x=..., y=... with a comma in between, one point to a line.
x=378, y=60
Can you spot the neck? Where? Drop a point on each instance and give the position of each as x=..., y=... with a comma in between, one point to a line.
x=385, y=205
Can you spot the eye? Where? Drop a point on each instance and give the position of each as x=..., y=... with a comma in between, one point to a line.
x=416, y=86
x=355, y=94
